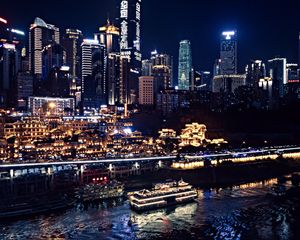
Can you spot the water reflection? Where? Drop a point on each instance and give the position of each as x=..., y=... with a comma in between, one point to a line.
x=238, y=212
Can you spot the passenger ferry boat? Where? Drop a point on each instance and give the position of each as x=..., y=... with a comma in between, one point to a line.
x=163, y=195
x=100, y=191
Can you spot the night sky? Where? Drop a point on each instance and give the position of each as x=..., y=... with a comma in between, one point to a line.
x=266, y=28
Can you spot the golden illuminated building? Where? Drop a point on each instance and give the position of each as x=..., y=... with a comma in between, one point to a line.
x=193, y=135
x=167, y=133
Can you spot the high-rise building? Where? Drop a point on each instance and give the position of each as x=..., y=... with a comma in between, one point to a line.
x=162, y=70
x=114, y=78
x=146, y=90
x=71, y=42
x=109, y=36
x=228, y=83
x=278, y=74
x=228, y=53
x=129, y=23
x=53, y=55
x=94, y=85
x=147, y=67
x=255, y=71
x=185, y=65
x=9, y=67
x=41, y=34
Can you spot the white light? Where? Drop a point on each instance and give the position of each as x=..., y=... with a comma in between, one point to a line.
x=228, y=34
x=90, y=41
x=176, y=87
x=9, y=46
x=3, y=20
x=127, y=131
x=18, y=32
x=65, y=68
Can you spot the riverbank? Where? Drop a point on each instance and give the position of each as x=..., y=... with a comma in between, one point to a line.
x=214, y=177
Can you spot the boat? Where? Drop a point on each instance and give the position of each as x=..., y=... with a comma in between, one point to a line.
x=163, y=195
x=100, y=191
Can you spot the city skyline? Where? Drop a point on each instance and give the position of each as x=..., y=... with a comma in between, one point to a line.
x=253, y=41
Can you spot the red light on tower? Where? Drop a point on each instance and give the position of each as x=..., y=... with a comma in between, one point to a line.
x=3, y=20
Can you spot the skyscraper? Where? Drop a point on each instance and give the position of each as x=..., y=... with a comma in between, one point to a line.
x=109, y=36
x=41, y=34
x=129, y=22
x=162, y=70
x=185, y=65
x=71, y=43
x=114, y=78
x=94, y=86
x=9, y=67
x=255, y=71
x=278, y=73
x=228, y=53
x=53, y=55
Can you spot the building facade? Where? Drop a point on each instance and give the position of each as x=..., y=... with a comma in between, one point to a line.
x=228, y=53
x=184, y=65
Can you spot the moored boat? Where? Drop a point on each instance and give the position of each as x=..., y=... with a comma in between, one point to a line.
x=163, y=195
x=100, y=191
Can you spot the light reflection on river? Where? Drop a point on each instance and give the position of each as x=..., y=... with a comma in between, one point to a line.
x=240, y=212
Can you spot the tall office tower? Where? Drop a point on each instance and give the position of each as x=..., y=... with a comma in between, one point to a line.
x=146, y=90
x=278, y=73
x=147, y=67
x=126, y=94
x=94, y=86
x=9, y=67
x=41, y=34
x=255, y=71
x=114, y=78
x=109, y=36
x=71, y=42
x=129, y=22
x=53, y=55
x=185, y=65
x=228, y=53
x=162, y=70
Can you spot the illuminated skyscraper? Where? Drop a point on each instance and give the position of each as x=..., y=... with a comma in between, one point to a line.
x=94, y=85
x=71, y=43
x=255, y=71
x=41, y=34
x=228, y=53
x=109, y=36
x=185, y=65
x=278, y=74
x=162, y=70
x=129, y=22
x=9, y=67
x=53, y=55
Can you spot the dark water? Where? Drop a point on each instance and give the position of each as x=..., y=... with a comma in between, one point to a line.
x=241, y=212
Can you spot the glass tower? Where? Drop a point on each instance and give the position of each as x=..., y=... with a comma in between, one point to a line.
x=228, y=53
x=185, y=65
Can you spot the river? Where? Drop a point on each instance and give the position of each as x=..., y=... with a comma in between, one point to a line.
x=239, y=212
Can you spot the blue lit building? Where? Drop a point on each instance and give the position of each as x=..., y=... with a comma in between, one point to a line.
x=184, y=65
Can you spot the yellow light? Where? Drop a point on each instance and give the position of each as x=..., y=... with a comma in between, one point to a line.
x=52, y=105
